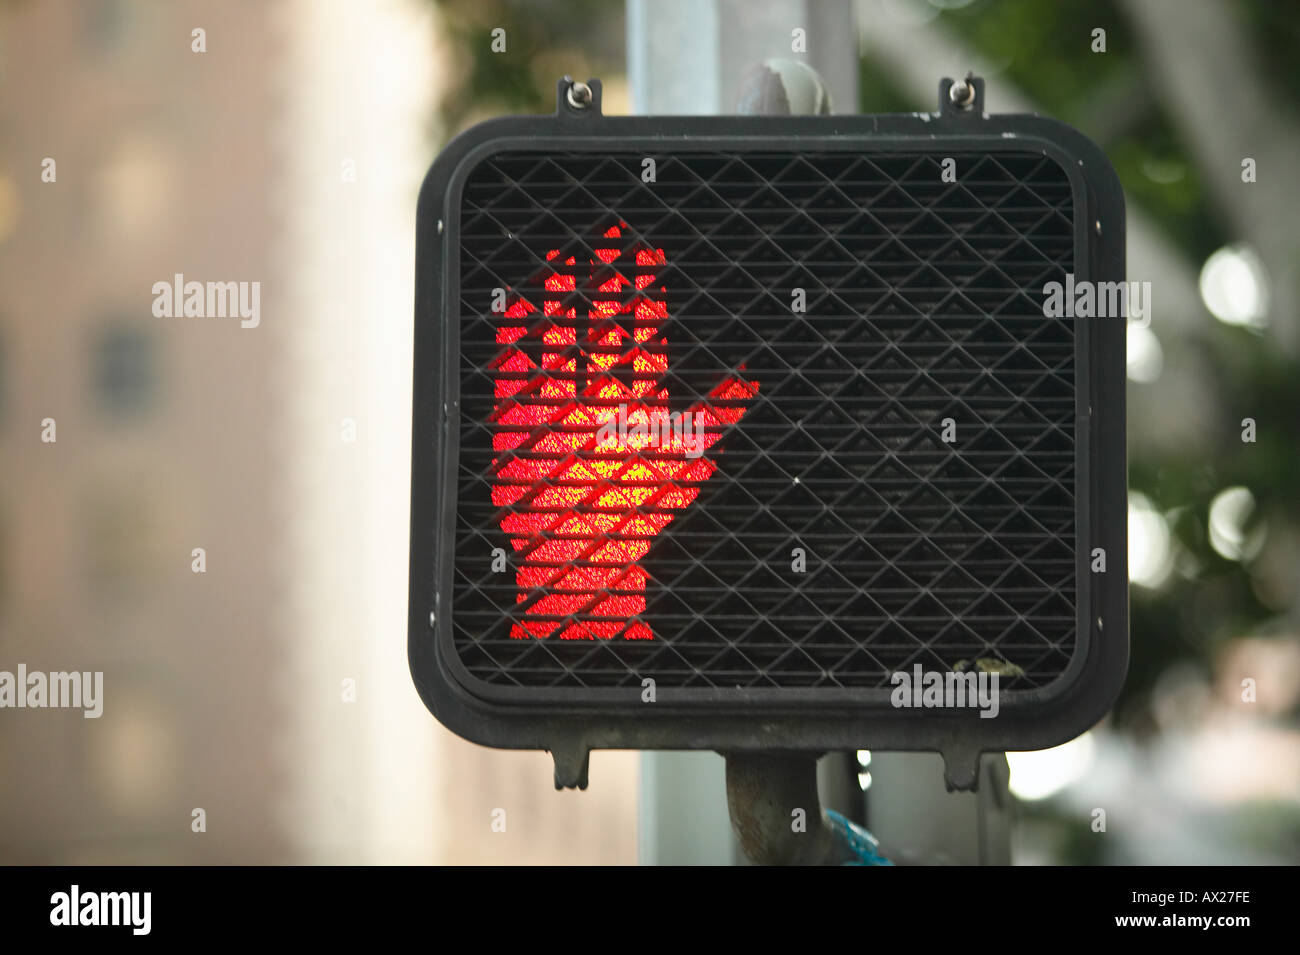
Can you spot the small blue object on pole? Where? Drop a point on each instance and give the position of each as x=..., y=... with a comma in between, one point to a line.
x=861, y=844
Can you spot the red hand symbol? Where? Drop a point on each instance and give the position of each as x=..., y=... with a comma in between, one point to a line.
x=591, y=465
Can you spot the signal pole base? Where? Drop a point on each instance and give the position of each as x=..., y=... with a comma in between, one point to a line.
x=777, y=816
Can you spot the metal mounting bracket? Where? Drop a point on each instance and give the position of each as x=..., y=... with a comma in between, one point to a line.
x=962, y=98
x=577, y=99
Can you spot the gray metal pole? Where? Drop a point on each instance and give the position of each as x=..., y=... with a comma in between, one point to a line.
x=691, y=57
x=919, y=823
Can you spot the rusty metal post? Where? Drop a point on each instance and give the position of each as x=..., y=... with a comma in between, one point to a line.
x=776, y=812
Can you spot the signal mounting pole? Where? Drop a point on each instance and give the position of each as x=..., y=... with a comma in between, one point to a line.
x=692, y=57
x=706, y=57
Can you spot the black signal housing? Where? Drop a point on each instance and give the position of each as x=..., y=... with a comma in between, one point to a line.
x=923, y=303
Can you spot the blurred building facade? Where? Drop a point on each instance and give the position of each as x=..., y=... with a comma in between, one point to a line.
x=162, y=444
x=269, y=690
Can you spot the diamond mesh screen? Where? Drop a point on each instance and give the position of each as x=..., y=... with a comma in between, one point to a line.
x=589, y=553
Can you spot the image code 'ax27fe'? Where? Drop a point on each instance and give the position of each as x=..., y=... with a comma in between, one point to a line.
x=744, y=433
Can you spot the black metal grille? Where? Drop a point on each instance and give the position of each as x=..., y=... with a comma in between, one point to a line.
x=923, y=303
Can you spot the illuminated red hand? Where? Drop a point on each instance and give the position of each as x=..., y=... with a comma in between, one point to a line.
x=591, y=464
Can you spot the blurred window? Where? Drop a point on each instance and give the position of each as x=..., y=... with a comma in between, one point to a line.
x=125, y=371
x=107, y=25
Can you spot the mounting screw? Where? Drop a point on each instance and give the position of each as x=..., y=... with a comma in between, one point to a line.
x=579, y=95
x=962, y=93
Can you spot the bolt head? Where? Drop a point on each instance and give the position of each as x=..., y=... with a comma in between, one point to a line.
x=579, y=95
